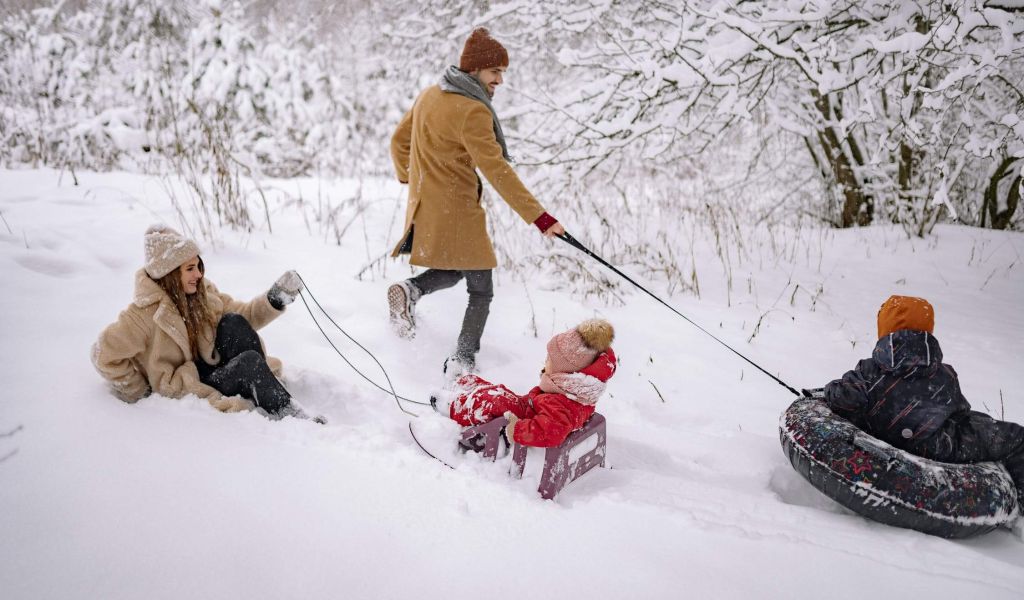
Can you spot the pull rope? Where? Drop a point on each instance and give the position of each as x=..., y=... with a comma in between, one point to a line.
x=391, y=388
x=425, y=451
x=398, y=399
x=576, y=244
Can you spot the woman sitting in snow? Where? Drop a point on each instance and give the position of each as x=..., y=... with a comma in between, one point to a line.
x=906, y=396
x=181, y=336
x=579, y=362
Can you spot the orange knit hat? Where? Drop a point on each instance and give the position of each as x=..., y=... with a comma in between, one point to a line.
x=482, y=52
x=905, y=312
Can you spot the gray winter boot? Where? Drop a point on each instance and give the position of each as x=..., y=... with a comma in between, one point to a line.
x=402, y=298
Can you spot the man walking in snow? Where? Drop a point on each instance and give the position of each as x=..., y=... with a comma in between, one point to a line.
x=451, y=131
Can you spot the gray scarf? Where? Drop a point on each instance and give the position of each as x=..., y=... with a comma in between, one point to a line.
x=456, y=81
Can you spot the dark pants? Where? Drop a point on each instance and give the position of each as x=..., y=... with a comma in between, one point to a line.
x=976, y=437
x=481, y=290
x=242, y=370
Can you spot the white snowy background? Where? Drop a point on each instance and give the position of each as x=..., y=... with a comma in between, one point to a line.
x=716, y=151
x=171, y=499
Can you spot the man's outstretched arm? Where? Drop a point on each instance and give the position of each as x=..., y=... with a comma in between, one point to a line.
x=478, y=138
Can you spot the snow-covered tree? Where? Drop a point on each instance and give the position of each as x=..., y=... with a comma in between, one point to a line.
x=892, y=100
x=895, y=104
x=853, y=111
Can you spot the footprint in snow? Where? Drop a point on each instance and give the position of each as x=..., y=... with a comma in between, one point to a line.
x=71, y=202
x=19, y=199
x=47, y=265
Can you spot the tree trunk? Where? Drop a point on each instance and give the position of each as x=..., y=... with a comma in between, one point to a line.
x=857, y=208
x=1000, y=219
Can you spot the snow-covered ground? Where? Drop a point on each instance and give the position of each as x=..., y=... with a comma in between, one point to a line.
x=171, y=499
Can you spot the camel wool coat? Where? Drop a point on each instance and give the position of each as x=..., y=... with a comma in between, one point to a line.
x=436, y=149
x=147, y=349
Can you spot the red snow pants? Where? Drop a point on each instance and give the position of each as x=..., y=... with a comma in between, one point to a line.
x=478, y=401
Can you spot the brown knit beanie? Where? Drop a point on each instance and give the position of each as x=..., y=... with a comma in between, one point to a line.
x=166, y=250
x=482, y=52
x=572, y=350
x=905, y=312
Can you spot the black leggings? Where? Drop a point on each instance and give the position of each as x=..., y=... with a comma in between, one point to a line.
x=242, y=370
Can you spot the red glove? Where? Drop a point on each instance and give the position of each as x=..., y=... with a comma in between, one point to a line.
x=544, y=222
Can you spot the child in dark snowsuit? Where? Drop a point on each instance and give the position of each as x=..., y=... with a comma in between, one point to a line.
x=579, y=363
x=906, y=396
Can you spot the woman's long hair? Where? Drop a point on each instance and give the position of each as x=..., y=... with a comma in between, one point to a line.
x=194, y=309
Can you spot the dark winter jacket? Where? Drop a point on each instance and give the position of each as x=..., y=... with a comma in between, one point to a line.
x=903, y=393
x=545, y=419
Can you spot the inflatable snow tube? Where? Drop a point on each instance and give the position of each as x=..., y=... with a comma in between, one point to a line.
x=888, y=485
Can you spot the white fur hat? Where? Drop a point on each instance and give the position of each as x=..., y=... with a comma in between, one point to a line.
x=166, y=250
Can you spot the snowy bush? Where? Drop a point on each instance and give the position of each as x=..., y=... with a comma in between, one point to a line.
x=196, y=91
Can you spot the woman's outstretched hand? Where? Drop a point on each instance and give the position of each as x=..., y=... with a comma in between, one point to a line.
x=284, y=290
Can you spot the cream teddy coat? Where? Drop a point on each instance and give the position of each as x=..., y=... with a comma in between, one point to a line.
x=146, y=349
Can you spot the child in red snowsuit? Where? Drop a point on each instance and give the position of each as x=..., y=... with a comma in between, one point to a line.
x=579, y=363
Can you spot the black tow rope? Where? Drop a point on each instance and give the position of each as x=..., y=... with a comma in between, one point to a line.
x=398, y=399
x=576, y=244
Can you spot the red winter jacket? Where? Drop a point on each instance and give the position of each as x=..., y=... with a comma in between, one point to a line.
x=545, y=419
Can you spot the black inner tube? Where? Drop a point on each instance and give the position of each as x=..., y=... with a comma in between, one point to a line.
x=888, y=485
